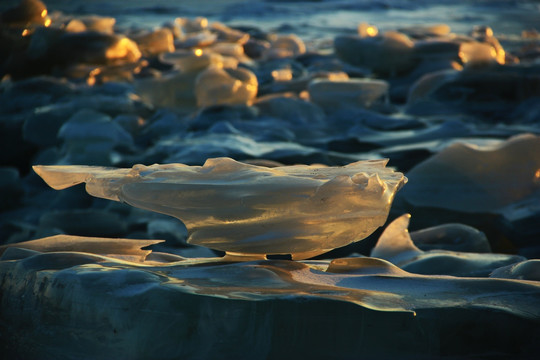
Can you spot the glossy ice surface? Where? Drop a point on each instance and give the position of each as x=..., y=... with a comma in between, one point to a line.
x=468, y=178
x=251, y=210
x=266, y=309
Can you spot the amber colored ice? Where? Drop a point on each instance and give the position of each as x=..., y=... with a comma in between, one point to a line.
x=251, y=210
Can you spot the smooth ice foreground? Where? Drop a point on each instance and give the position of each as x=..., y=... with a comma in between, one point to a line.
x=120, y=302
x=250, y=210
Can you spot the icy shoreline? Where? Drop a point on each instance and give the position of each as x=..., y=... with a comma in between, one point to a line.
x=454, y=108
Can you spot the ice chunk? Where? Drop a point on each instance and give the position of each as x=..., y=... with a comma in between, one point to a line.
x=390, y=53
x=455, y=237
x=476, y=53
x=90, y=137
x=423, y=31
x=282, y=46
x=493, y=94
x=176, y=89
x=353, y=92
x=217, y=86
x=396, y=246
x=192, y=61
x=470, y=179
x=239, y=208
x=155, y=42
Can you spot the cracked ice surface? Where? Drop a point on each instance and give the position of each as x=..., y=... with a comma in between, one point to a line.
x=251, y=210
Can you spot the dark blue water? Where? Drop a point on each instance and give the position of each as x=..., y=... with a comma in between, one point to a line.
x=316, y=19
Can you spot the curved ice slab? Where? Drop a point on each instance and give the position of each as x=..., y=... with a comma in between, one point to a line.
x=251, y=210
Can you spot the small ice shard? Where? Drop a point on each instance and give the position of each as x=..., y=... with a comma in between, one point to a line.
x=525, y=270
x=246, y=209
x=217, y=86
x=469, y=179
x=155, y=42
x=484, y=34
x=74, y=25
x=122, y=49
x=387, y=54
x=129, y=249
x=475, y=53
x=396, y=246
x=331, y=94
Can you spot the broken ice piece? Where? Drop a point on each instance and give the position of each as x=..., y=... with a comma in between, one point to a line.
x=467, y=178
x=395, y=245
x=217, y=86
x=251, y=210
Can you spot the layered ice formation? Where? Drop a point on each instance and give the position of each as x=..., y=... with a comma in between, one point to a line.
x=251, y=210
x=91, y=305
